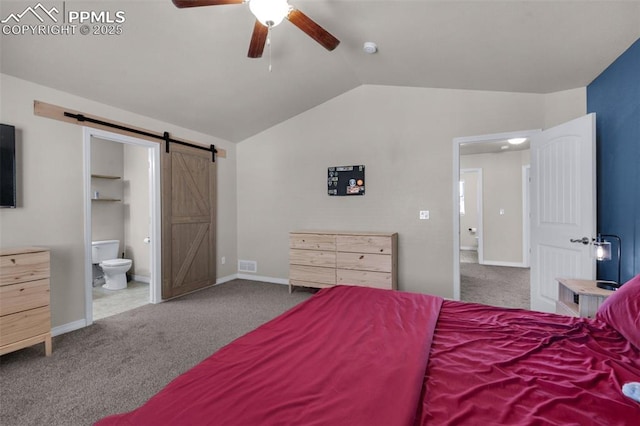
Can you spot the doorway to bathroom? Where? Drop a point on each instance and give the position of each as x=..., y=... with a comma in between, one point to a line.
x=122, y=218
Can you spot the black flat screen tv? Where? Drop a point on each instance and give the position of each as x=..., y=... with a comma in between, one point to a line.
x=7, y=166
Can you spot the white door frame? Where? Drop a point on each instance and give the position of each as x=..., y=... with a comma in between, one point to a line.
x=526, y=216
x=154, y=194
x=478, y=207
x=456, y=192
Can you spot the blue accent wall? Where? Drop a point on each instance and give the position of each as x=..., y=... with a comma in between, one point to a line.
x=615, y=98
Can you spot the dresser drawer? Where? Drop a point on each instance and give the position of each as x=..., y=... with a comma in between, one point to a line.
x=312, y=241
x=324, y=259
x=23, y=325
x=312, y=258
x=364, y=261
x=365, y=278
x=23, y=296
x=364, y=244
x=24, y=267
x=312, y=274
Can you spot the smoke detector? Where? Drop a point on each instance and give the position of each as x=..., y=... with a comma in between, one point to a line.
x=370, y=47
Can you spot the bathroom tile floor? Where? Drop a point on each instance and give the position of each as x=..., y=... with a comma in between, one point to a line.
x=111, y=302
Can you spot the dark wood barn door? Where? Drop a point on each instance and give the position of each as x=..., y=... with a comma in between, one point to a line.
x=188, y=221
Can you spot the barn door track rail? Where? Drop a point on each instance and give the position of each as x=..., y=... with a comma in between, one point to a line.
x=165, y=136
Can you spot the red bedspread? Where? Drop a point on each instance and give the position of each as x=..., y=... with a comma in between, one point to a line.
x=495, y=366
x=347, y=356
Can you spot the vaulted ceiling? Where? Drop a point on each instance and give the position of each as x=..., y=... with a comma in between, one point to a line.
x=190, y=67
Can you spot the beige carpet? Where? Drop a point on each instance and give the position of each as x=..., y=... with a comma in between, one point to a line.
x=495, y=285
x=117, y=363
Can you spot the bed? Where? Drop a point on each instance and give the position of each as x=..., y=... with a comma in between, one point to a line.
x=363, y=356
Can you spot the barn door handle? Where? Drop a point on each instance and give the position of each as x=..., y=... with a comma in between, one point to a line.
x=583, y=240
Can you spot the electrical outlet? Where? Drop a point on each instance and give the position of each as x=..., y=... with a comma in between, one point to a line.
x=223, y=260
x=424, y=214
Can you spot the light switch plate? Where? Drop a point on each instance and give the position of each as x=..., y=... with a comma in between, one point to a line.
x=424, y=214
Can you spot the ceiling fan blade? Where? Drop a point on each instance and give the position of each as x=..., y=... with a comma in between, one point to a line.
x=312, y=29
x=258, y=39
x=197, y=3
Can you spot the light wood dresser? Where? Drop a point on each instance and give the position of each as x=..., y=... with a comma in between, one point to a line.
x=25, y=318
x=325, y=258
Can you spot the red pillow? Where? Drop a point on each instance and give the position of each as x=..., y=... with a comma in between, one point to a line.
x=621, y=311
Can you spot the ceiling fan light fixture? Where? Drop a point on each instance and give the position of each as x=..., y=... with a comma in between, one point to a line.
x=269, y=12
x=516, y=141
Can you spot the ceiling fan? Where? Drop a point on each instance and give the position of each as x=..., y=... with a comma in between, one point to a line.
x=270, y=13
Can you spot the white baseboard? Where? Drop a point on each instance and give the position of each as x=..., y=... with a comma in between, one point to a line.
x=252, y=277
x=273, y=280
x=66, y=328
x=219, y=281
x=223, y=280
x=141, y=278
x=498, y=263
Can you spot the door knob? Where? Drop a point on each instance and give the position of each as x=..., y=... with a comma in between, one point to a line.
x=147, y=240
x=583, y=240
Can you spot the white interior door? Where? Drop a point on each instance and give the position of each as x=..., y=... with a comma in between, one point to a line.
x=563, y=208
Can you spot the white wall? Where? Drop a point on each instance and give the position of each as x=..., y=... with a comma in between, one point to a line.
x=277, y=181
x=560, y=107
x=50, y=176
x=470, y=218
x=404, y=138
x=137, y=209
x=107, y=217
x=502, y=190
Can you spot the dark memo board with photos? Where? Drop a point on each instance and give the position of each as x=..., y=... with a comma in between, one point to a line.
x=345, y=180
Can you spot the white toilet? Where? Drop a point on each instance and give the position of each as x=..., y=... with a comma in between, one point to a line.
x=105, y=254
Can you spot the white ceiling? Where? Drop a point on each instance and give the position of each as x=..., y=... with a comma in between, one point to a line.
x=190, y=67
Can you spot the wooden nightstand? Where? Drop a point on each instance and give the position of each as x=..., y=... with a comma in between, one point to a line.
x=579, y=298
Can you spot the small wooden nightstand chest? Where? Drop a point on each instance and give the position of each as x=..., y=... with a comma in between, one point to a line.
x=579, y=298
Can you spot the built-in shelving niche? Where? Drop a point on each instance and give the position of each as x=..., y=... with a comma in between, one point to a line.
x=105, y=199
